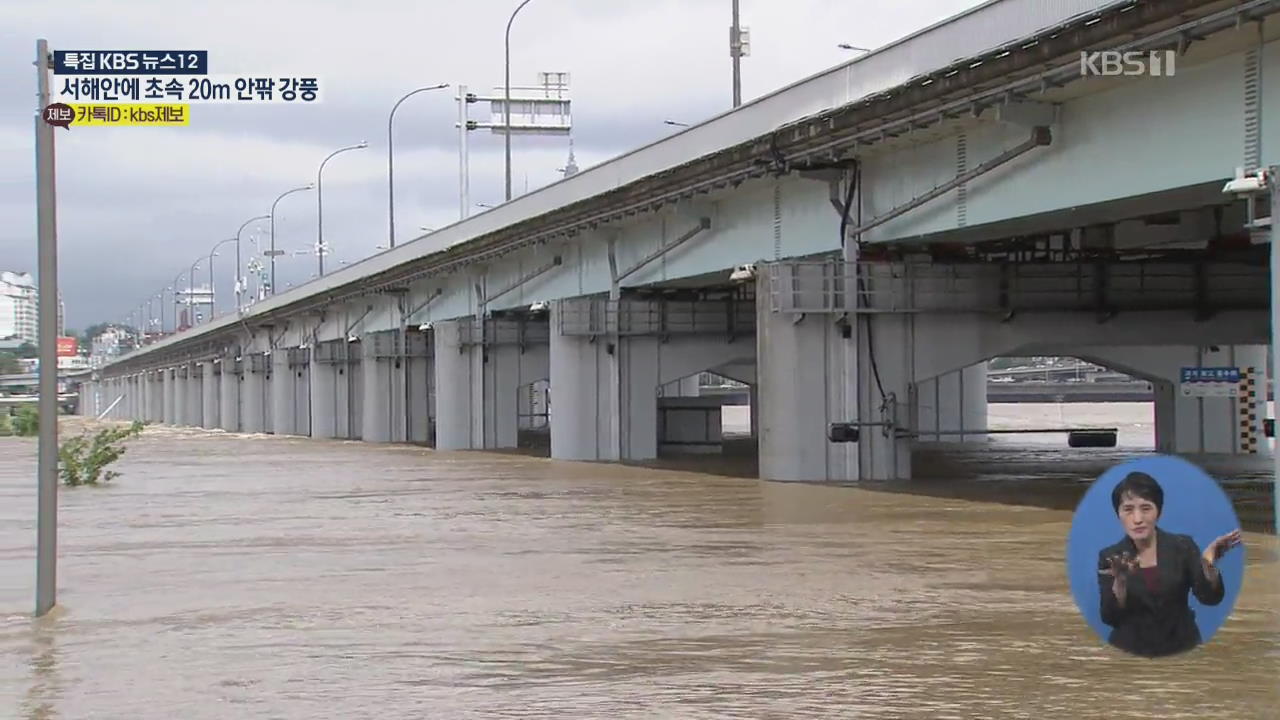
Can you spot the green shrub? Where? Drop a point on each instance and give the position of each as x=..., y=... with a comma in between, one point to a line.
x=83, y=458
x=6, y=427
x=27, y=422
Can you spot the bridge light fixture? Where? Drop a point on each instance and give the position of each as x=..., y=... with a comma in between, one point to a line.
x=1243, y=184
x=743, y=273
x=424, y=326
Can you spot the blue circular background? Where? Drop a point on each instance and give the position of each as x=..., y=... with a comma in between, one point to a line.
x=1194, y=505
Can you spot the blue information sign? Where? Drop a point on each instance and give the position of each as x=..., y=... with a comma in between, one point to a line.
x=1210, y=381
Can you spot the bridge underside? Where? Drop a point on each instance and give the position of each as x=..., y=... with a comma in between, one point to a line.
x=892, y=342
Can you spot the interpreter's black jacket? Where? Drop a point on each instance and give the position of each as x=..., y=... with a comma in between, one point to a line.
x=1159, y=623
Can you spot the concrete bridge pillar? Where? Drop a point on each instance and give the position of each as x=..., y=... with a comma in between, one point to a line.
x=1190, y=424
x=817, y=369
x=419, y=387
x=955, y=401
x=169, y=396
x=507, y=368
x=477, y=387
x=283, y=388
x=144, y=395
x=157, y=395
x=195, y=397
x=323, y=392
x=252, y=394
x=208, y=396
x=603, y=399
x=132, y=397
x=127, y=406
x=229, y=396
x=459, y=418
x=181, y=395
x=382, y=407
x=122, y=410
x=603, y=406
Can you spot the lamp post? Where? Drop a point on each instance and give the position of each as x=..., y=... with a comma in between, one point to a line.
x=174, y=288
x=507, y=97
x=847, y=46
x=391, y=182
x=320, y=201
x=213, y=294
x=272, y=217
x=191, y=280
x=239, y=274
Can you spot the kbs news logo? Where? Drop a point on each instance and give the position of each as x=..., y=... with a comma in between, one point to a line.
x=1114, y=62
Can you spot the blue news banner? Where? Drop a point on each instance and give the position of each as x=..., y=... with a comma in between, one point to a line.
x=130, y=62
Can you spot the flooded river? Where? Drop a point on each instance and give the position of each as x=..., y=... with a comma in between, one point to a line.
x=257, y=577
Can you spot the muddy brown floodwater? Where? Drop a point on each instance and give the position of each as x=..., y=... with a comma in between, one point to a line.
x=232, y=576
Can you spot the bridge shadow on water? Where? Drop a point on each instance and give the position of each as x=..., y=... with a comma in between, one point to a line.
x=1036, y=475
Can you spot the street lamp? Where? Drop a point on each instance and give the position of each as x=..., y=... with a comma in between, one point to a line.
x=272, y=252
x=213, y=294
x=174, y=288
x=239, y=273
x=673, y=122
x=507, y=102
x=391, y=184
x=191, y=279
x=847, y=46
x=320, y=200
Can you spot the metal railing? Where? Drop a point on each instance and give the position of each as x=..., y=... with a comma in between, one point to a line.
x=861, y=288
x=503, y=331
x=630, y=317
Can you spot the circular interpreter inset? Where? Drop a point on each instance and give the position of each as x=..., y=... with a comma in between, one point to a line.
x=1155, y=556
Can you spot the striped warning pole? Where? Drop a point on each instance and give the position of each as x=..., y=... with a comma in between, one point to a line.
x=1247, y=410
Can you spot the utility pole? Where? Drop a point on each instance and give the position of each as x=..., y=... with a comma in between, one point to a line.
x=47, y=232
x=735, y=52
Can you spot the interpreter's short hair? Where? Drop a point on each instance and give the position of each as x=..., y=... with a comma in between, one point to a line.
x=1139, y=485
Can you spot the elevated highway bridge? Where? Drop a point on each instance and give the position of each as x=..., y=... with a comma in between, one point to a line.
x=853, y=246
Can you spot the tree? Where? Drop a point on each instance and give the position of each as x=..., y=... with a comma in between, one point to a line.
x=27, y=351
x=9, y=364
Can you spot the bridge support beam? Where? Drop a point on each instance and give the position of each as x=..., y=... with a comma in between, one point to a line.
x=181, y=396
x=283, y=383
x=155, y=400
x=507, y=368
x=604, y=390
x=815, y=370
x=169, y=392
x=209, y=396
x=602, y=406
x=143, y=389
x=459, y=419
x=229, y=397
x=955, y=401
x=252, y=393
x=195, y=396
x=323, y=393
x=382, y=408
x=419, y=387
x=1194, y=425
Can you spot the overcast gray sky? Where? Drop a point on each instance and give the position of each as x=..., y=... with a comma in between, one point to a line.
x=136, y=205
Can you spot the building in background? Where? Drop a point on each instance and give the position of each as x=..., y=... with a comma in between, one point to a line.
x=18, y=306
x=108, y=345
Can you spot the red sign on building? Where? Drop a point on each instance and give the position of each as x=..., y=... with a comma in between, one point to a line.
x=68, y=347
